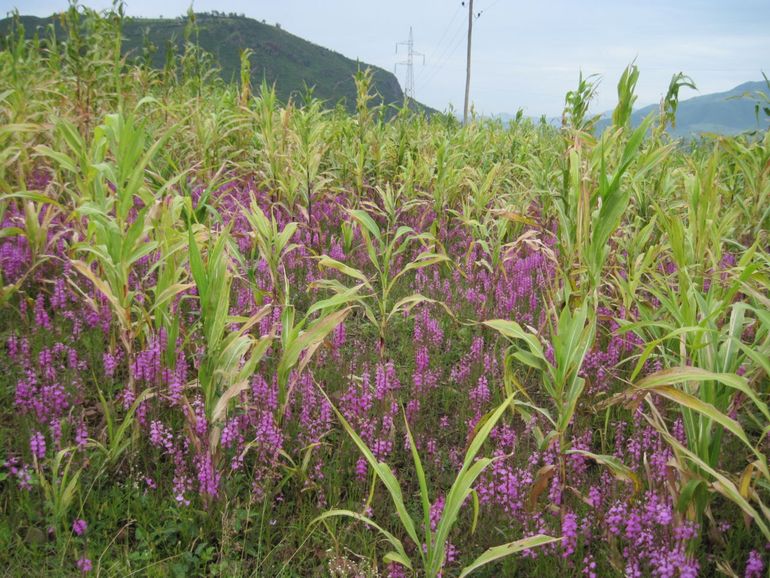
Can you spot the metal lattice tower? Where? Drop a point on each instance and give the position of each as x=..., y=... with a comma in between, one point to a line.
x=409, y=63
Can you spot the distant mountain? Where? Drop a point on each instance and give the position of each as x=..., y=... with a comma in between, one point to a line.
x=278, y=56
x=506, y=118
x=728, y=113
x=724, y=113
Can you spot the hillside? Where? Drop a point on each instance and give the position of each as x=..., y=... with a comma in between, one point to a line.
x=278, y=56
x=720, y=112
x=726, y=113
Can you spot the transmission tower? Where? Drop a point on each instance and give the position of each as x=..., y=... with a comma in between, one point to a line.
x=409, y=63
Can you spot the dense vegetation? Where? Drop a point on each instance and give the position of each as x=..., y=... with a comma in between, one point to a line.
x=246, y=337
x=276, y=56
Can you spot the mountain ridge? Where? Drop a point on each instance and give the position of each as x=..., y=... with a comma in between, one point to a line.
x=278, y=56
x=725, y=112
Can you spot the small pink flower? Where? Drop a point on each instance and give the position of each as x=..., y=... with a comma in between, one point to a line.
x=754, y=565
x=84, y=565
x=79, y=526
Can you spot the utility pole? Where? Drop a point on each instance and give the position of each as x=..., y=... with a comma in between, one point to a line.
x=409, y=63
x=468, y=65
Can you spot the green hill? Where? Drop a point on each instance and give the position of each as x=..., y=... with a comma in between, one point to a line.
x=725, y=113
x=278, y=56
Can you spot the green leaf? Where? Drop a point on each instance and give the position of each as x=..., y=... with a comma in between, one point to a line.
x=687, y=494
x=60, y=158
x=408, y=302
x=513, y=331
x=383, y=472
x=723, y=484
x=694, y=374
x=328, y=262
x=312, y=337
x=462, y=484
x=651, y=345
x=504, y=550
x=363, y=218
x=424, y=495
x=400, y=557
x=423, y=260
x=618, y=469
x=347, y=295
x=476, y=508
x=658, y=383
x=196, y=266
x=702, y=407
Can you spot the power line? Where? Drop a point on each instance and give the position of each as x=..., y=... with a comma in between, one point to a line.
x=488, y=8
x=449, y=53
x=438, y=45
x=445, y=55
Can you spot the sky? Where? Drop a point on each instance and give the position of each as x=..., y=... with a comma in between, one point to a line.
x=524, y=54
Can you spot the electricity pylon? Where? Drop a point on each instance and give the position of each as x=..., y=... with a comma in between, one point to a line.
x=409, y=63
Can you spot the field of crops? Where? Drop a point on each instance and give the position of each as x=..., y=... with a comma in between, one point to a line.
x=250, y=338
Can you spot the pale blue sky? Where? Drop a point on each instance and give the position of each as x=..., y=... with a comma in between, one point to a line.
x=525, y=54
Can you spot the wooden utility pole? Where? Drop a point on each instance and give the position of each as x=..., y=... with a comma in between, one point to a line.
x=468, y=66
